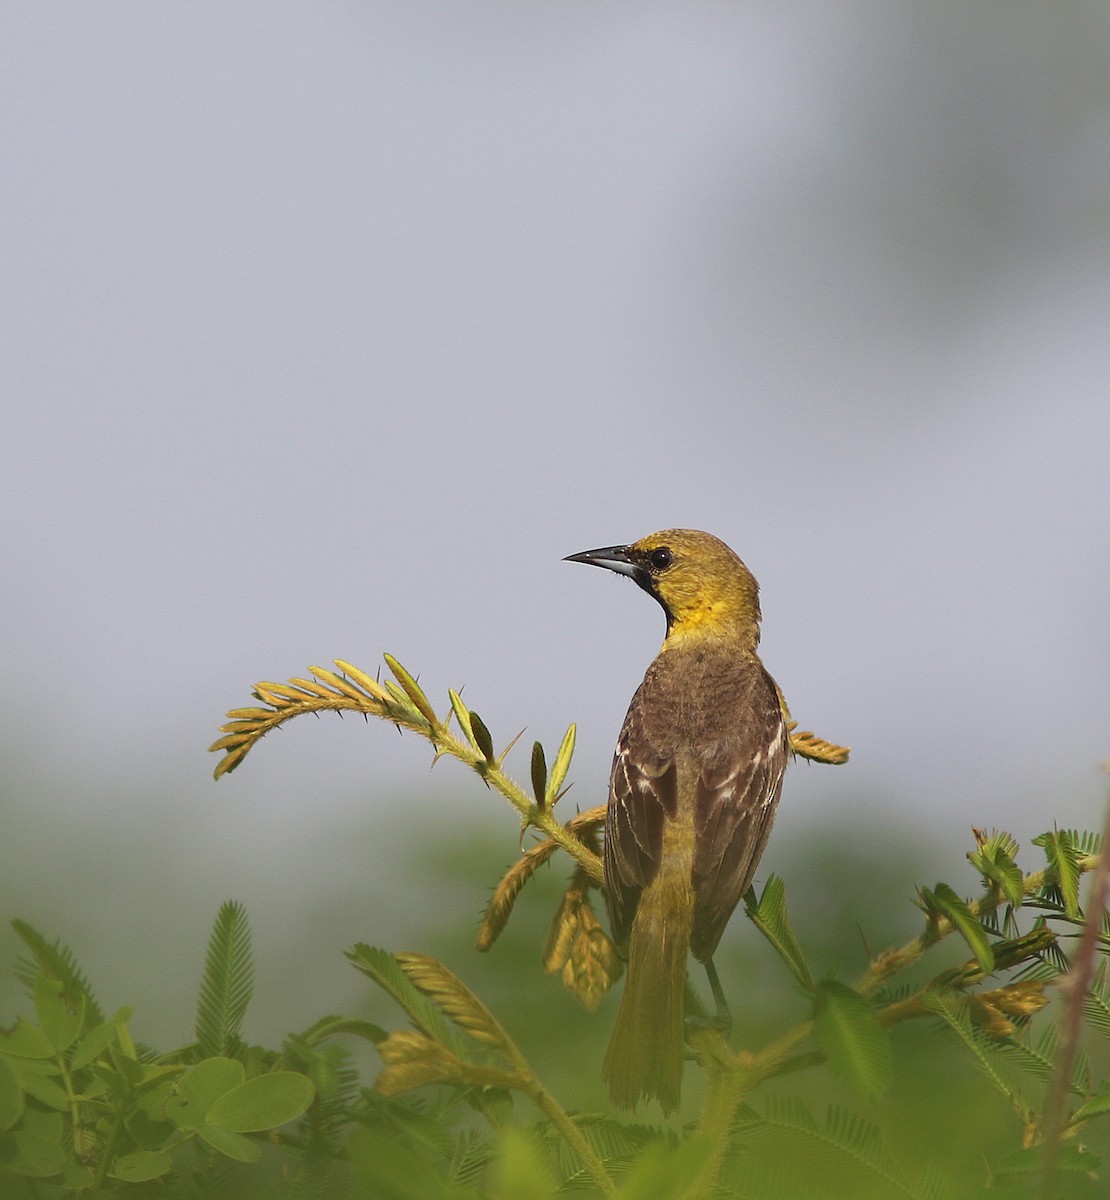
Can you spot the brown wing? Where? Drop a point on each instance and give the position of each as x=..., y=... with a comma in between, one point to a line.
x=643, y=792
x=734, y=805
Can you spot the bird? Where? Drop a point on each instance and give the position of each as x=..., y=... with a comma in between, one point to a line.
x=696, y=779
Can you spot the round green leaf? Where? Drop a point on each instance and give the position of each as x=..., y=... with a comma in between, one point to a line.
x=25, y=1041
x=25, y=1153
x=11, y=1096
x=142, y=1165
x=199, y=1087
x=145, y=1131
x=234, y=1145
x=264, y=1102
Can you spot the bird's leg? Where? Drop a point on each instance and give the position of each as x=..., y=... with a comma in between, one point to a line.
x=724, y=1017
x=722, y=1021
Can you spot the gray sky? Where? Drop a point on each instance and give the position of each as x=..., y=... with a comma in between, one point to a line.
x=329, y=329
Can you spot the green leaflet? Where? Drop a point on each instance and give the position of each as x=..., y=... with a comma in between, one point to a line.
x=994, y=859
x=11, y=1096
x=851, y=1037
x=770, y=918
x=482, y=737
x=943, y=900
x=462, y=715
x=561, y=765
x=1097, y=1106
x=412, y=690
x=539, y=774
x=1063, y=866
x=98, y=1039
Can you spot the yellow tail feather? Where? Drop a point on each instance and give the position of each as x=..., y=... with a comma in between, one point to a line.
x=646, y=1053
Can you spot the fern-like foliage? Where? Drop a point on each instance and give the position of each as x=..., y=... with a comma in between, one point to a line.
x=227, y=984
x=785, y=1153
x=57, y=962
x=324, y=1128
x=955, y=1012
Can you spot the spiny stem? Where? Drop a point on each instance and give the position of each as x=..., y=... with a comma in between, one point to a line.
x=572, y=1135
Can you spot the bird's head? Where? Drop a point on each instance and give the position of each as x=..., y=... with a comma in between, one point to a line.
x=704, y=588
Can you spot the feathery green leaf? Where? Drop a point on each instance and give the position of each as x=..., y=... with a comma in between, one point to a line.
x=1063, y=866
x=58, y=963
x=848, y=1032
x=954, y=1010
x=1096, y=1004
x=227, y=984
x=796, y=1158
x=994, y=859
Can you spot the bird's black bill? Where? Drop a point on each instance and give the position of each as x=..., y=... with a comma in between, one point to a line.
x=612, y=558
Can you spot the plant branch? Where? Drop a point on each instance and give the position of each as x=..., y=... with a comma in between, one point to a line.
x=405, y=705
x=890, y=962
x=1075, y=987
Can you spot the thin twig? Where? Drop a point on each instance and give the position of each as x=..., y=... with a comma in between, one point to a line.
x=1075, y=988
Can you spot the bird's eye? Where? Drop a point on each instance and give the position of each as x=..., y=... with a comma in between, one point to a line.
x=661, y=559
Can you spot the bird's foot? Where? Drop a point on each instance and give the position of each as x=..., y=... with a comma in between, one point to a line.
x=720, y=1022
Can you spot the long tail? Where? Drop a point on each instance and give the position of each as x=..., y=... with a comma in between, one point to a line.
x=646, y=1052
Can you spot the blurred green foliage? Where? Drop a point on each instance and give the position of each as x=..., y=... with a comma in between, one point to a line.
x=890, y=1038
x=940, y=1127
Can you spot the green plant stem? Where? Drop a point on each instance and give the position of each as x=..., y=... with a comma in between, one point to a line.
x=107, y=1154
x=731, y=1077
x=572, y=1135
x=74, y=1107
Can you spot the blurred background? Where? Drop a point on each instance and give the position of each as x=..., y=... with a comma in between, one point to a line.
x=330, y=328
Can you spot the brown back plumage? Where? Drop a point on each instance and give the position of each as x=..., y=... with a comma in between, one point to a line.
x=712, y=719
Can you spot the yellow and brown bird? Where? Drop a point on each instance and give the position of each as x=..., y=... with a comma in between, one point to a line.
x=696, y=780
